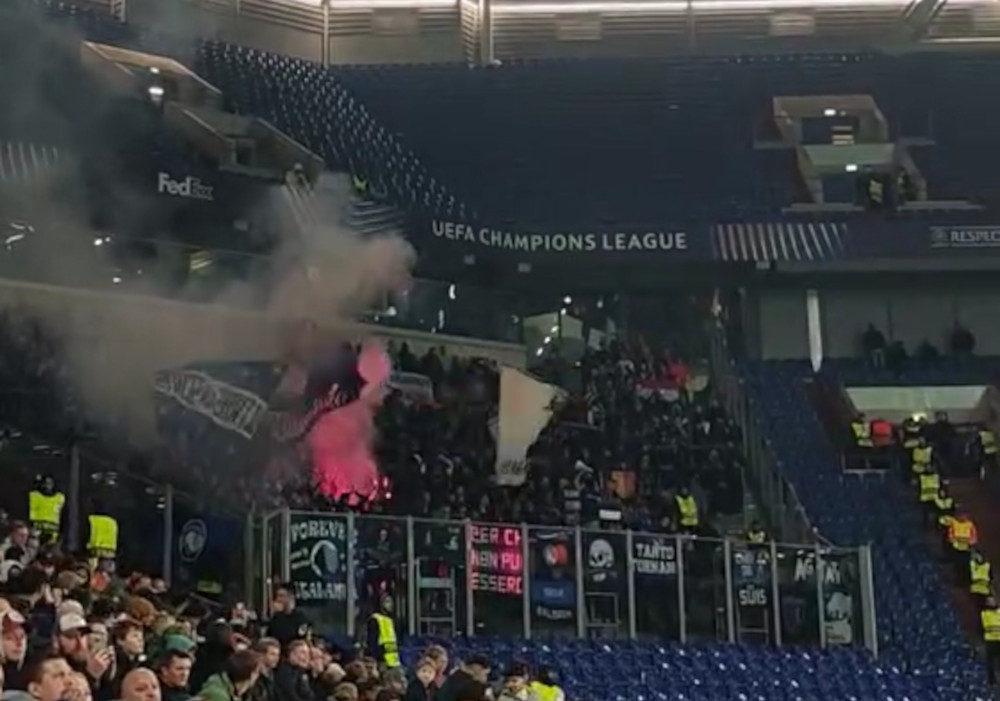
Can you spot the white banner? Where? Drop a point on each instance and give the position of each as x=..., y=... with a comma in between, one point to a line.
x=413, y=386
x=525, y=408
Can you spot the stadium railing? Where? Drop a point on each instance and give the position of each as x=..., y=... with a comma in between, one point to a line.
x=774, y=494
x=452, y=577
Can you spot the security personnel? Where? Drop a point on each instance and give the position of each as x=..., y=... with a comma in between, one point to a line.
x=755, y=534
x=862, y=432
x=987, y=441
x=359, y=183
x=990, y=619
x=912, y=431
x=945, y=506
x=45, y=506
x=687, y=510
x=962, y=537
x=929, y=484
x=383, y=644
x=102, y=544
x=545, y=687
x=921, y=457
x=979, y=574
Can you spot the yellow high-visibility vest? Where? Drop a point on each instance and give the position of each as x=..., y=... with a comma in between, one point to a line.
x=862, y=433
x=544, y=692
x=388, y=645
x=988, y=441
x=930, y=484
x=922, y=455
x=944, y=506
x=688, y=510
x=979, y=576
x=961, y=533
x=103, y=540
x=757, y=537
x=44, y=511
x=990, y=619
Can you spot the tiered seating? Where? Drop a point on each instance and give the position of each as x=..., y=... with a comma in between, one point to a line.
x=572, y=143
x=916, y=623
x=300, y=98
x=616, y=671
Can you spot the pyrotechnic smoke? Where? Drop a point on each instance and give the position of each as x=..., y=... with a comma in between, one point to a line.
x=113, y=342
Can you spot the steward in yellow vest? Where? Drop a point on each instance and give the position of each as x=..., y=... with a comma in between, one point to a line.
x=45, y=506
x=930, y=485
x=988, y=441
x=945, y=506
x=979, y=574
x=546, y=687
x=756, y=535
x=921, y=456
x=989, y=617
x=861, y=429
x=103, y=541
x=383, y=644
x=687, y=509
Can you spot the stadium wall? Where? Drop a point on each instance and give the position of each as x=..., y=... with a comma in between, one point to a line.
x=357, y=34
x=778, y=329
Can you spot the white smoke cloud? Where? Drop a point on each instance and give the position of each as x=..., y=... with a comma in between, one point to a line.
x=114, y=343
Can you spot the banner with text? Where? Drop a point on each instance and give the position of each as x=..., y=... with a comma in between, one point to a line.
x=553, y=575
x=466, y=237
x=318, y=555
x=919, y=239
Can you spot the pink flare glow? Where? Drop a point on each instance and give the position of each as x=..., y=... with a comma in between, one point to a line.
x=340, y=444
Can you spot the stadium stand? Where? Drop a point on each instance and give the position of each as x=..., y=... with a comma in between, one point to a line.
x=918, y=625
x=348, y=116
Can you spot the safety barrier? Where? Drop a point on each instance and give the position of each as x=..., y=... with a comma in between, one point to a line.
x=472, y=578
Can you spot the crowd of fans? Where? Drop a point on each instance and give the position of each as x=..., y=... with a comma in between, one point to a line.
x=631, y=438
x=637, y=445
x=69, y=635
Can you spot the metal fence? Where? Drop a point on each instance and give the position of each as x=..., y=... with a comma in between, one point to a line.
x=772, y=492
x=471, y=578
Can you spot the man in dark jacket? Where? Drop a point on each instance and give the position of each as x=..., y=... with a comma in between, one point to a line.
x=268, y=651
x=468, y=682
x=292, y=679
x=287, y=622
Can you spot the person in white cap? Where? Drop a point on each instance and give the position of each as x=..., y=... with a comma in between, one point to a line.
x=71, y=642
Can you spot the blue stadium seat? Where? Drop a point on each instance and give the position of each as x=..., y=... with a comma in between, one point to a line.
x=627, y=671
x=917, y=626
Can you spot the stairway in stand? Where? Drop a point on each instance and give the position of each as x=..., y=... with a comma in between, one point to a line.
x=983, y=506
